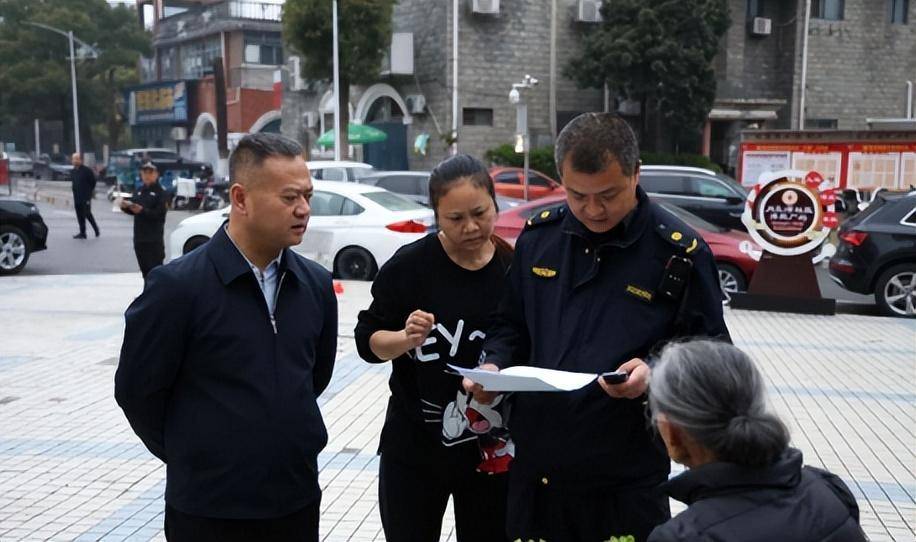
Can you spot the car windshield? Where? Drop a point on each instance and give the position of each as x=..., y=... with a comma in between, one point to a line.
x=19, y=155
x=739, y=189
x=362, y=172
x=692, y=220
x=393, y=202
x=166, y=155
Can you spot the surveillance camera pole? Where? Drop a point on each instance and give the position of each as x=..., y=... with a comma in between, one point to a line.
x=522, y=142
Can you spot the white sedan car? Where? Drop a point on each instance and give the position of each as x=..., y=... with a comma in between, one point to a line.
x=353, y=229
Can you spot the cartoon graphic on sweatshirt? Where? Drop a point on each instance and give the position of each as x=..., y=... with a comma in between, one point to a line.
x=462, y=419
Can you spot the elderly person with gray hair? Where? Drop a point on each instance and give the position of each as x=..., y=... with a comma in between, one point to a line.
x=744, y=482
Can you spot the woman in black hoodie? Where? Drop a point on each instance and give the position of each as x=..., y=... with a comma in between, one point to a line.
x=743, y=483
x=432, y=303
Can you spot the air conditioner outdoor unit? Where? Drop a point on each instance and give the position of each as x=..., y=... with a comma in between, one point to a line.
x=416, y=103
x=489, y=7
x=296, y=82
x=589, y=11
x=762, y=26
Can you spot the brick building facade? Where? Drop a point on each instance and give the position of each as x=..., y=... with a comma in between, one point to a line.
x=860, y=55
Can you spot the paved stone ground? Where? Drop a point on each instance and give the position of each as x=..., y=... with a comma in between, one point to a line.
x=71, y=469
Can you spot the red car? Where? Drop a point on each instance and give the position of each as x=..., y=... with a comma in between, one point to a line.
x=508, y=182
x=735, y=267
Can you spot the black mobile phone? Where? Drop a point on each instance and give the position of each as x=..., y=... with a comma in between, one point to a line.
x=615, y=377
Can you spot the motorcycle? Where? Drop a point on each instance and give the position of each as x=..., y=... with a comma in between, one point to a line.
x=205, y=194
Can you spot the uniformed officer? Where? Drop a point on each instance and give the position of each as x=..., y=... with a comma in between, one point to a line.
x=147, y=204
x=596, y=286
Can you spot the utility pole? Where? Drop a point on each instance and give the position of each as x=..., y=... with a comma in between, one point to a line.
x=92, y=54
x=337, y=136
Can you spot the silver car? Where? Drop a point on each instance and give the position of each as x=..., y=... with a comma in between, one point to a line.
x=20, y=163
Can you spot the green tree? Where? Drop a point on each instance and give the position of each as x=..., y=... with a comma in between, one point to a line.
x=658, y=53
x=364, y=34
x=35, y=70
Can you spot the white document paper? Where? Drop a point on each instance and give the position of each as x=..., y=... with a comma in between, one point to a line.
x=525, y=378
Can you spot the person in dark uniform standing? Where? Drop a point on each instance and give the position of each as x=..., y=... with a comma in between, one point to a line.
x=148, y=207
x=82, y=182
x=595, y=286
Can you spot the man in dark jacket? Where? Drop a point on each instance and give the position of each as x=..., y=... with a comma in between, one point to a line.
x=147, y=205
x=225, y=354
x=82, y=181
x=594, y=287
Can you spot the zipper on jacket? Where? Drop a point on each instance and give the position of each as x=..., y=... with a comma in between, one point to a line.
x=273, y=317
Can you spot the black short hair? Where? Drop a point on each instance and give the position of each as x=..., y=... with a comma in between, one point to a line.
x=592, y=141
x=453, y=169
x=253, y=149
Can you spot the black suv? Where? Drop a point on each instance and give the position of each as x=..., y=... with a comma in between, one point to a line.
x=712, y=196
x=877, y=253
x=22, y=232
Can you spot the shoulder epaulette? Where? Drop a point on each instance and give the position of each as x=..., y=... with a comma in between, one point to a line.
x=685, y=241
x=545, y=217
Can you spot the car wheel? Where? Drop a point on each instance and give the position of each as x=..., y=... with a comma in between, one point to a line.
x=193, y=243
x=355, y=263
x=14, y=250
x=895, y=291
x=731, y=279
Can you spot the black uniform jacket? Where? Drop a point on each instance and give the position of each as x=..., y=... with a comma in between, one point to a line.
x=785, y=502
x=574, y=306
x=82, y=182
x=150, y=221
x=226, y=400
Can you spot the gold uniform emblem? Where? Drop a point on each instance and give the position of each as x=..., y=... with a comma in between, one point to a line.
x=645, y=295
x=677, y=236
x=544, y=272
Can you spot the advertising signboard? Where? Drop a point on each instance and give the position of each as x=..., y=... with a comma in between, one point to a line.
x=159, y=103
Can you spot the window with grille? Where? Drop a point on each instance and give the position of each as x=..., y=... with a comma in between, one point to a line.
x=832, y=10
x=898, y=11
x=473, y=116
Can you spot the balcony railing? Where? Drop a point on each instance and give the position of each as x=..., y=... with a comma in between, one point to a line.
x=261, y=11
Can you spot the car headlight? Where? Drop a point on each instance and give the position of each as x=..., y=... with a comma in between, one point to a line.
x=33, y=209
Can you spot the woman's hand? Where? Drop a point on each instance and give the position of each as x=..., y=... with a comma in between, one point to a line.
x=418, y=327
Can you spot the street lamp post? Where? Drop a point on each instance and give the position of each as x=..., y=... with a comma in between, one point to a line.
x=92, y=53
x=522, y=141
x=336, y=75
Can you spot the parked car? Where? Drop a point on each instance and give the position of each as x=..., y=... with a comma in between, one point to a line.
x=22, y=232
x=410, y=184
x=736, y=268
x=877, y=253
x=353, y=229
x=415, y=185
x=711, y=196
x=508, y=182
x=20, y=163
x=332, y=170
x=55, y=168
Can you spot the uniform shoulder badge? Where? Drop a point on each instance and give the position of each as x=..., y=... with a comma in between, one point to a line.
x=685, y=241
x=545, y=217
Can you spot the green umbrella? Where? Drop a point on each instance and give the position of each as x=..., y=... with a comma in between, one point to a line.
x=358, y=134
